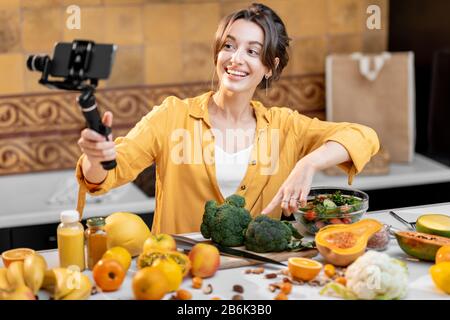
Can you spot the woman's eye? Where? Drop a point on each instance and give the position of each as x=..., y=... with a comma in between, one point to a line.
x=228, y=46
x=253, y=52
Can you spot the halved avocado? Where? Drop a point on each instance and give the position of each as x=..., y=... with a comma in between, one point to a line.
x=420, y=245
x=438, y=224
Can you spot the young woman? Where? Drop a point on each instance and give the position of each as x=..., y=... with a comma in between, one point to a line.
x=219, y=143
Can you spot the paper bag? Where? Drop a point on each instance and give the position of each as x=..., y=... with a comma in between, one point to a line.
x=377, y=91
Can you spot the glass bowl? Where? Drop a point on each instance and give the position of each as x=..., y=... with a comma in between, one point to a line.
x=330, y=205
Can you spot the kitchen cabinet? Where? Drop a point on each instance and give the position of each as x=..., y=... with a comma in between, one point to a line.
x=4, y=239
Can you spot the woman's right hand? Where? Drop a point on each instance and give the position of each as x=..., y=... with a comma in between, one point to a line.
x=95, y=146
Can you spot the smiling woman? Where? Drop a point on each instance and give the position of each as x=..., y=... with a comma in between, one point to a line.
x=223, y=142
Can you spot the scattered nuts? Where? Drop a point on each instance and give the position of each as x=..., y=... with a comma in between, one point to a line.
x=94, y=290
x=272, y=288
x=237, y=297
x=285, y=272
x=197, y=282
x=208, y=289
x=247, y=271
x=258, y=270
x=271, y=275
x=183, y=294
x=287, y=280
x=238, y=288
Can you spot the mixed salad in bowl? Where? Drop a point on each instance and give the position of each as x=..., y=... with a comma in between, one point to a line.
x=327, y=205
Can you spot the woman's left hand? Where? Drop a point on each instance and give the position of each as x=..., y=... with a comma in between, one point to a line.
x=295, y=189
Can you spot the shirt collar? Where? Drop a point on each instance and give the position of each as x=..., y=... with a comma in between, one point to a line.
x=199, y=109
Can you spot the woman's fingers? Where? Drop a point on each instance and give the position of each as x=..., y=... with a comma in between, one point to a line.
x=293, y=201
x=107, y=119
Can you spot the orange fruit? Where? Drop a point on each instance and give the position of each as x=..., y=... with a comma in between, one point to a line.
x=150, y=283
x=120, y=254
x=108, y=274
x=304, y=269
x=18, y=254
x=443, y=254
x=440, y=273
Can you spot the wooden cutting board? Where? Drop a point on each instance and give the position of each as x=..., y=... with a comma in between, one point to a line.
x=228, y=262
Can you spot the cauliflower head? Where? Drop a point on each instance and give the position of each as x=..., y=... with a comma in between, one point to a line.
x=374, y=275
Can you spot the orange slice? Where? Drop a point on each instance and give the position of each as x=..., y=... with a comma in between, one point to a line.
x=18, y=254
x=304, y=269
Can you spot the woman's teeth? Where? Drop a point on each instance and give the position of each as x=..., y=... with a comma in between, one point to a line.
x=237, y=73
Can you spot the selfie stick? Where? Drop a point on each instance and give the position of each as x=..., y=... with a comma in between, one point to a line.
x=78, y=64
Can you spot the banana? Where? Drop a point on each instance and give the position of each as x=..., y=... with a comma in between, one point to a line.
x=4, y=284
x=14, y=274
x=81, y=293
x=61, y=281
x=22, y=292
x=34, y=267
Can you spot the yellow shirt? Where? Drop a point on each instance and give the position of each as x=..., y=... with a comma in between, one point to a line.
x=176, y=136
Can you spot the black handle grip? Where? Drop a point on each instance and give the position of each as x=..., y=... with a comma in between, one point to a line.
x=93, y=121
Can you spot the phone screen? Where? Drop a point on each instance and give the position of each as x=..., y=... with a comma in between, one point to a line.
x=102, y=59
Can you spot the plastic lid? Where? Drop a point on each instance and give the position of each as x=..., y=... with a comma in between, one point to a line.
x=69, y=216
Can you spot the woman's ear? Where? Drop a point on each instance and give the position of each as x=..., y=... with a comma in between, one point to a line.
x=277, y=62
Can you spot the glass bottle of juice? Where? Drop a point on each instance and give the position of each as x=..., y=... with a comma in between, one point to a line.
x=70, y=234
x=95, y=240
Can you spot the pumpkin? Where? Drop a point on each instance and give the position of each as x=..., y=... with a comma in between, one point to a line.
x=343, y=243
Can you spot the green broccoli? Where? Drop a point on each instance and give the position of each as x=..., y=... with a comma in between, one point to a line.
x=225, y=224
x=265, y=234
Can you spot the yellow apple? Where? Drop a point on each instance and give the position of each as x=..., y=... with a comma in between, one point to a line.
x=160, y=241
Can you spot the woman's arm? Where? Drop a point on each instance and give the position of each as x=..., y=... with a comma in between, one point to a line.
x=320, y=145
x=298, y=184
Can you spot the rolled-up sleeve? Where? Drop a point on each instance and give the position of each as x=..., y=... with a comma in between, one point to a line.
x=361, y=142
x=134, y=152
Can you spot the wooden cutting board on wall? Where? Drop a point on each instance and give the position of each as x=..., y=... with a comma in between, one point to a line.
x=228, y=262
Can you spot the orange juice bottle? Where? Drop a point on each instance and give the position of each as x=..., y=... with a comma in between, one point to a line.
x=70, y=234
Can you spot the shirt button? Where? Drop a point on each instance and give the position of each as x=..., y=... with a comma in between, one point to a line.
x=243, y=187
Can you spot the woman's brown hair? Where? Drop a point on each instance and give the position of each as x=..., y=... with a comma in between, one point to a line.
x=276, y=40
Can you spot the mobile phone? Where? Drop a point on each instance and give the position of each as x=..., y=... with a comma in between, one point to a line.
x=100, y=66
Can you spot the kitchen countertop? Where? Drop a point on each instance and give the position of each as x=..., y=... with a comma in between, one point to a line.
x=420, y=171
x=256, y=286
x=38, y=198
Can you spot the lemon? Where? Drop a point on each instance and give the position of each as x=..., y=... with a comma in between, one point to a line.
x=440, y=273
x=120, y=254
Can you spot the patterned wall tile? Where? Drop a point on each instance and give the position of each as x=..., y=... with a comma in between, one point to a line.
x=127, y=68
x=40, y=131
x=123, y=25
x=158, y=29
x=12, y=68
x=41, y=28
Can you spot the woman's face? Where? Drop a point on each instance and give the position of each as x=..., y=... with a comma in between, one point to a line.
x=239, y=64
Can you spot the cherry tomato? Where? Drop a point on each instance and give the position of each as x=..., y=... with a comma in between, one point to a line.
x=310, y=215
x=108, y=274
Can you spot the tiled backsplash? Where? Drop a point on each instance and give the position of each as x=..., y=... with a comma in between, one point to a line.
x=162, y=42
x=164, y=48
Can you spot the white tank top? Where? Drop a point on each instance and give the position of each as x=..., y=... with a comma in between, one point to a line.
x=231, y=169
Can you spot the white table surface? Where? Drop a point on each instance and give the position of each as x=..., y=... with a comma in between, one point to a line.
x=421, y=171
x=38, y=198
x=256, y=286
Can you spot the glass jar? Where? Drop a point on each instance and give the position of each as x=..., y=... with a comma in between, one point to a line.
x=380, y=240
x=95, y=240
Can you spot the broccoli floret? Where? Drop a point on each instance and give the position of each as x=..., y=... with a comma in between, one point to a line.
x=265, y=234
x=226, y=224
